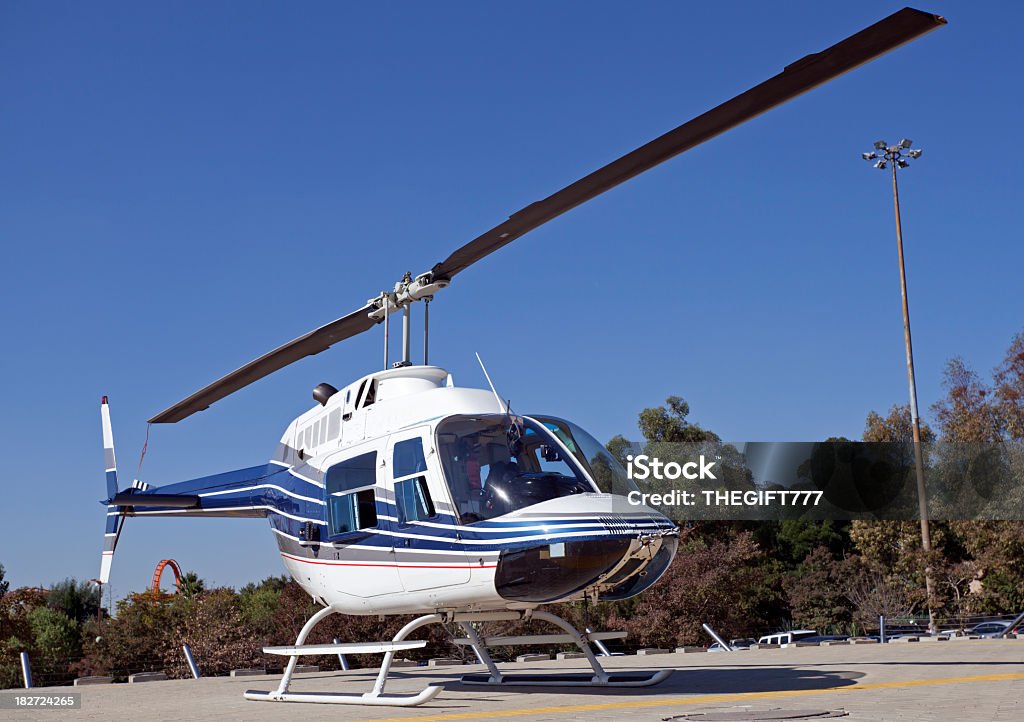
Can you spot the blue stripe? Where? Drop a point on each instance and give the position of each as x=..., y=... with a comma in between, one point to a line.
x=288, y=514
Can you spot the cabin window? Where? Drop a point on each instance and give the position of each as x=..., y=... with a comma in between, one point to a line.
x=351, y=502
x=333, y=424
x=413, y=499
x=412, y=496
x=371, y=394
x=495, y=464
x=408, y=458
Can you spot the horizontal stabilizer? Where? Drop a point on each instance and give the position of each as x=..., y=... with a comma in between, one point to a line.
x=172, y=501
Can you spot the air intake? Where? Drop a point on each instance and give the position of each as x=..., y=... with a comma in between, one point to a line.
x=322, y=392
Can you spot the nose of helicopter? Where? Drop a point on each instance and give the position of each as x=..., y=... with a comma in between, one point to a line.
x=625, y=559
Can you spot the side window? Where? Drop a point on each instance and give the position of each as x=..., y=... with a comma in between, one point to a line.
x=412, y=497
x=351, y=504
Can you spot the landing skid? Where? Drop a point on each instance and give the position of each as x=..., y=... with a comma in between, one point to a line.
x=493, y=677
x=615, y=679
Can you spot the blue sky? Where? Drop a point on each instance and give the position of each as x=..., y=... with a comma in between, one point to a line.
x=187, y=185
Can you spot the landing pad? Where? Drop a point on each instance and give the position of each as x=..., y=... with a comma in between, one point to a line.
x=972, y=681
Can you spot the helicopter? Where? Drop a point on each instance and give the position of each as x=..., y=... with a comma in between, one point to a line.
x=402, y=493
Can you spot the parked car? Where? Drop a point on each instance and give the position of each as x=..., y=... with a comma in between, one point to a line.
x=794, y=635
x=736, y=644
x=826, y=638
x=989, y=629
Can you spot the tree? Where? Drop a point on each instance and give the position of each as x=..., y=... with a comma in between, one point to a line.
x=79, y=601
x=725, y=583
x=894, y=427
x=4, y=585
x=817, y=593
x=216, y=632
x=54, y=634
x=191, y=585
x=1009, y=389
x=968, y=412
x=259, y=603
x=668, y=424
x=876, y=594
x=619, y=447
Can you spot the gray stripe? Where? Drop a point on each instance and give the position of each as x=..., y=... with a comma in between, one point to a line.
x=108, y=459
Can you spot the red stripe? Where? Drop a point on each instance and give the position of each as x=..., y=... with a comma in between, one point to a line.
x=395, y=564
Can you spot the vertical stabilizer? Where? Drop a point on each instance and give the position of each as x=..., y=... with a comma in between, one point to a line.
x=111, y=532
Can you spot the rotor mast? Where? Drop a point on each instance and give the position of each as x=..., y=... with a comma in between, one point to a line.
x=406, y=293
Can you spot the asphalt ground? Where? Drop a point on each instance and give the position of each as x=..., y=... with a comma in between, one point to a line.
x=962, y=680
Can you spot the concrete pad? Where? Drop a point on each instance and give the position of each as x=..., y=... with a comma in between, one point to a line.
x=570, y=655
x=82, y=681
x=306, y=668
x=147, y=677
x=690, y=650
x=248, y=672
x=403, y=663
x=904, y=640
x=652, y=650
x=443, y=662
x=980, y=681
x=533, y=658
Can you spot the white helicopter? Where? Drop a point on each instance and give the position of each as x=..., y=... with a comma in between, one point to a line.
x=403, y=494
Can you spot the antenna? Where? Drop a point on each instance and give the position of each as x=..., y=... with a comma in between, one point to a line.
x=501, y=404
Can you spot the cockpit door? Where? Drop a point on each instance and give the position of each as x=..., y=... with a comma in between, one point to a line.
x=359, y=562
x=427, y=547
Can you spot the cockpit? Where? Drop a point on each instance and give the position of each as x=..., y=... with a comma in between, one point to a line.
x=496, y=463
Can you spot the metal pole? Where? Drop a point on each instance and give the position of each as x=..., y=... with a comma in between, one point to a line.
x=26, y=670
x=922, y=499
x=718, y=639
x=426, y=329
x=881, y=629
x=406, y=333
x=599, y=644
x=192, y=666
x=341, y=657
x=387, y=302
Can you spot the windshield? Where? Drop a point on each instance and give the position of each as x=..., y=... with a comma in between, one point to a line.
x=496, y=464
x=604, y=469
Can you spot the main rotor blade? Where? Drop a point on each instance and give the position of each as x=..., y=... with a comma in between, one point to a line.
x=799, y=77
x=312, y=343
x=803, y=75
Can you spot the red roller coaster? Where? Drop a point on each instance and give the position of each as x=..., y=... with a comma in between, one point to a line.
x=159, y=572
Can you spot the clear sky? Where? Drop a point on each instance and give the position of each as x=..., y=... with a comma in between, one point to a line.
x=187, y=185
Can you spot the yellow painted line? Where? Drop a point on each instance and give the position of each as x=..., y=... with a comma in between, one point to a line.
x=702, y=699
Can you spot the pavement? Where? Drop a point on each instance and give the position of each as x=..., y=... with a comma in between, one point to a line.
x=962, y=680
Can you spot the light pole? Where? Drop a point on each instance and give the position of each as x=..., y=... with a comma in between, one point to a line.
x=892, y=156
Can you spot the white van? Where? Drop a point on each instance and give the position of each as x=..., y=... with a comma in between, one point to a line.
x=784, y=638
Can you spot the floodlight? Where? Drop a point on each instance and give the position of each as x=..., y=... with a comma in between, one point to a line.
x=880, y=164
x=905, y=143
x=880, y=145
x=868, y=156
x=915, y=154
x=902, y=163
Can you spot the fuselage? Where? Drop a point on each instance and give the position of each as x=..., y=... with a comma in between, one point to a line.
x=402, y=493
